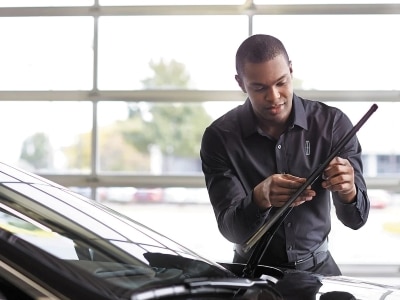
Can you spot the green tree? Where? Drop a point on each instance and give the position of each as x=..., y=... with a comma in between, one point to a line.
x=167, y=75
x=297, y=83
x=78, y=154
x=115, y=153
x=37, y=152
x=175, y=128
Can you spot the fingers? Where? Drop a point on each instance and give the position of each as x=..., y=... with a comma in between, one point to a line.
x=282, y=186
x=277, y=189
x=288, y=182
x=338, y=176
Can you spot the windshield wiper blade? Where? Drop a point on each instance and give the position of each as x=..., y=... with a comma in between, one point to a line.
x=202, y=286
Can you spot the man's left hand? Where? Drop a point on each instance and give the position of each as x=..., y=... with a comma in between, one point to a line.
x=339, y=177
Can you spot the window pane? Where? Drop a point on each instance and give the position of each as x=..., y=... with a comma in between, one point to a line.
x=330, y=53
x=171, y=195
x=381, y=230
x=170, y=2
x=153, y=138
x=46, y=136
x=38, y=3
x=321, y=1
x=46, y=53
x=178, y=52
x=375, y=135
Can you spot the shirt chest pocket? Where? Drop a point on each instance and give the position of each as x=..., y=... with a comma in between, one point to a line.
x=300, y=157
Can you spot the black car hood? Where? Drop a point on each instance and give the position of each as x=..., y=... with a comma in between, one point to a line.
x=341, y=287
x=295, y=285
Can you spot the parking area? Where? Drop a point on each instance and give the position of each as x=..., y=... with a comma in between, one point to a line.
x=194, y=225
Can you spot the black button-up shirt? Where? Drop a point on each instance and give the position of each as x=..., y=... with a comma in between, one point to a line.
x=236, y=156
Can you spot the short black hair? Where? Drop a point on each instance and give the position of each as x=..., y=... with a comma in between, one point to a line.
x=259, y=48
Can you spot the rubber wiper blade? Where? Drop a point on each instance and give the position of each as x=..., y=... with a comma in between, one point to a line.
x=199, y=286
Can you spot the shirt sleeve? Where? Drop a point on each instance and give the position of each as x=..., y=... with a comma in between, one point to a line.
x=353, y=215
x=236, y=214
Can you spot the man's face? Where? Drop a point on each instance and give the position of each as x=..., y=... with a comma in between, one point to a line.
x=269, y=88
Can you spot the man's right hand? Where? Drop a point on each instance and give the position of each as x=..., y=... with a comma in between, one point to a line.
x=276, y=190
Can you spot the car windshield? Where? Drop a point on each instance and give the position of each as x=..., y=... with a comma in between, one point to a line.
x=85, y=237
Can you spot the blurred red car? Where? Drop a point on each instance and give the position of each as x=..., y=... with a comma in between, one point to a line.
x=148, y=195
x=379, y=198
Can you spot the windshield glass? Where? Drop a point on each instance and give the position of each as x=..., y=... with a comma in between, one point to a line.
x=91, y=238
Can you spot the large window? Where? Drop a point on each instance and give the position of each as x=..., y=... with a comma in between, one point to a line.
x=47, y=136
x=46, y=53
x=111, y=98
x=198, y=50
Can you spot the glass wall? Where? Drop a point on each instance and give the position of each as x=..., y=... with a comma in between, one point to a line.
x=111, y=99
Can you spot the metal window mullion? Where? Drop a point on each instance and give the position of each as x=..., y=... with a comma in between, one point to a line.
x=95, y=157
x=174, y=10
x=189, y=96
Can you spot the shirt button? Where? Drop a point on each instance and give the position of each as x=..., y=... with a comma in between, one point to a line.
x=279, y=147
x=290, y=248
x=289, y=225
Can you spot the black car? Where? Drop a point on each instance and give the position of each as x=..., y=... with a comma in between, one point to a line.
x=57, y=244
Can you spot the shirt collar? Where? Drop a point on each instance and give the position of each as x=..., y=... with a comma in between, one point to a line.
x=249, y=124
x=299, y=113
x=248, y=119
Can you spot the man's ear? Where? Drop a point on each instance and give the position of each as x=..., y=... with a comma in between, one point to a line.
x=240, y=82
x=290, y=68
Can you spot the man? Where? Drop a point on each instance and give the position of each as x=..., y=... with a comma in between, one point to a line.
x=258, y=154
